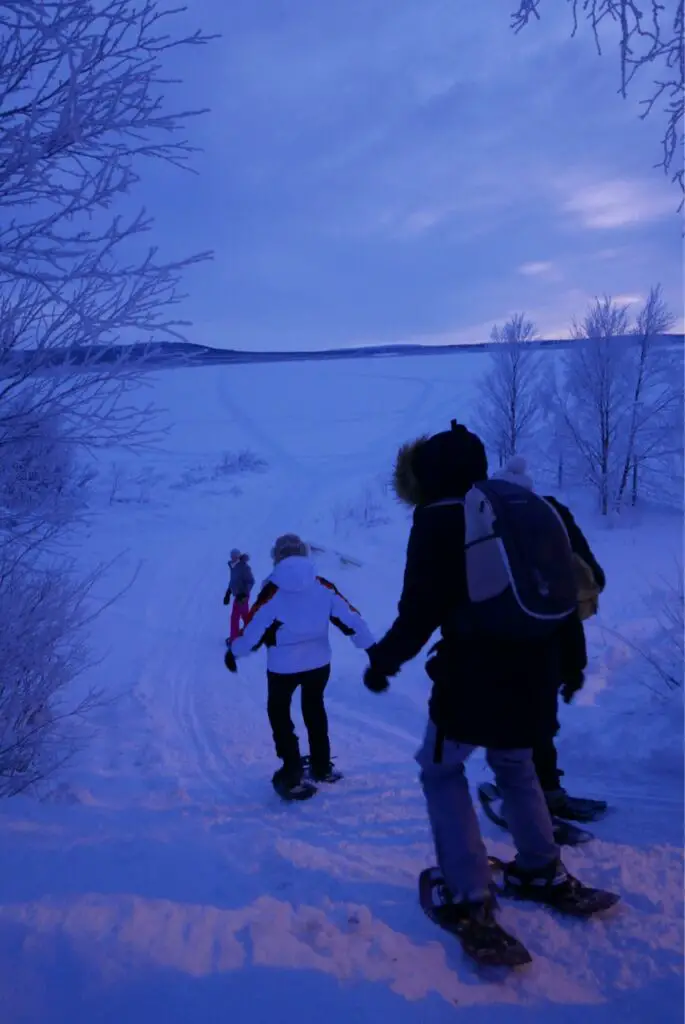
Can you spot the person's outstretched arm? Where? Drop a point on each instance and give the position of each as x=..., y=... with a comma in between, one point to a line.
x=349, y=621
x=434, y=583
x=261, y=622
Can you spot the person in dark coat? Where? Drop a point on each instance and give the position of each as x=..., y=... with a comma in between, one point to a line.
x=487, y=691
x=572, y=654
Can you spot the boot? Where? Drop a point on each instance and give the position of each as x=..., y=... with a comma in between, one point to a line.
x=574, y=808
x=289, y=780
x=552, y=885
x=324, y=772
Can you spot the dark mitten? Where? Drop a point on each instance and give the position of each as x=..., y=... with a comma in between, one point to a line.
x=230, y=662
x=227, y=596
x=375, y=680
x=571, y=686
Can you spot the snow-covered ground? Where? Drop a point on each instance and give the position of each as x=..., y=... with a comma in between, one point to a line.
x=163, y=880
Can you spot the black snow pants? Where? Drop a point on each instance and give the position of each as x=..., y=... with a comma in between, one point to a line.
x=281, y=690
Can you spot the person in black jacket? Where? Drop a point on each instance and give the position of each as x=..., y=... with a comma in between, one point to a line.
x=487, y=691
x=573, y=656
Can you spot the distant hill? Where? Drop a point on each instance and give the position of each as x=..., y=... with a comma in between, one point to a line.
x=161, y=355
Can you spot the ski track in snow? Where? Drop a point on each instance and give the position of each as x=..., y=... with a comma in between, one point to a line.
x=190, y=892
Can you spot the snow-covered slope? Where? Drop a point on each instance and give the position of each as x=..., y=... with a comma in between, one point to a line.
x=163, y=880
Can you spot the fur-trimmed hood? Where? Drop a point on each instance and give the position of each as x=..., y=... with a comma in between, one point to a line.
x=406, y=486
x=445, y=465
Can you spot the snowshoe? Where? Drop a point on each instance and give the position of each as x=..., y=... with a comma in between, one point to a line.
x=474, y=924
x=290, y=785
x=565, y=834
x=554, y=887
x=575, y=808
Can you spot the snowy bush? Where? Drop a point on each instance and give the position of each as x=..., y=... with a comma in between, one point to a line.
x=666, y=651
x=41, y=651
x=369, y=510
x=230, y=464
x=40, y=475
x=662, y=654
x=243, y=461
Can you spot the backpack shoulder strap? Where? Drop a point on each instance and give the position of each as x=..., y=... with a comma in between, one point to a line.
x=445, y=502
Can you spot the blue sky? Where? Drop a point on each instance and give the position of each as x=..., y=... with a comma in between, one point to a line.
x=379, y=171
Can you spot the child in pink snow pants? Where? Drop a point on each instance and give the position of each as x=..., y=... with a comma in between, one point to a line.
x=239, y=587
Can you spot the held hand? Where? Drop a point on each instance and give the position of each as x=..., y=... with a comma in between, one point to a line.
x=571, y=687
x=230, y=662
x=375, y=680
x=227, y=596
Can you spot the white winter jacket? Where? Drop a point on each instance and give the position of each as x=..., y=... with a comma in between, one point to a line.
x=292, y=616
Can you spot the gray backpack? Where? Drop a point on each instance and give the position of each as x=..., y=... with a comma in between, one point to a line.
x=519, y=565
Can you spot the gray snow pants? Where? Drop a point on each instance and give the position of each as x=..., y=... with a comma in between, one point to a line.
x=459, y=846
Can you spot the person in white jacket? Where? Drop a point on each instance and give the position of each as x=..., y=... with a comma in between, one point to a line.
x=291, y=618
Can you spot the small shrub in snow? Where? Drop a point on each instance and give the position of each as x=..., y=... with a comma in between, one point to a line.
x=41, y=652
x=233, y=463
x=230, y=464
x=40, y=476
x=663, y=655
x=666, y=652
x=369, y=510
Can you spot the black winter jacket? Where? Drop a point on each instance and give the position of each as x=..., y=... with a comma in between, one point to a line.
x=488, y=693
x=493, y=693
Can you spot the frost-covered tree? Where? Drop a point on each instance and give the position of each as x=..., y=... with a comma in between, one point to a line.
x=82, y=107
x=651, y=38
x=510, y=406
x=592, y=395
x=654, y=437
x=619, y=397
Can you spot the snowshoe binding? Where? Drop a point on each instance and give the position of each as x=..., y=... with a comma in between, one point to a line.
x=473, y=923
x=290, y=784
x=321, y=773
x=553, y=887
x=565, y=834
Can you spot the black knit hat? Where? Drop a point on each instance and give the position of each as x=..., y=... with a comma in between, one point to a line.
x=447, y=464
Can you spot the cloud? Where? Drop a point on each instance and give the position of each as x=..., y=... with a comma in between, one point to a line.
x=627, y=300
x=541, y=268
x=618, y=204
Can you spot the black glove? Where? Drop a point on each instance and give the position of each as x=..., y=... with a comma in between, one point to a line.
x=227, y=596
x=375, y=680
x=570, y=686
x=230, y=662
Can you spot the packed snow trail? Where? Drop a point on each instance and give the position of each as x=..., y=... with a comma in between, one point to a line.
x=164, y=878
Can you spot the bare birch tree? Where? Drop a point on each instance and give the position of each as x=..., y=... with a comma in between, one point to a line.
x=656, y=398
x=592, y=394
x=652, y=41
x=619, y=397
x=510, y=393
